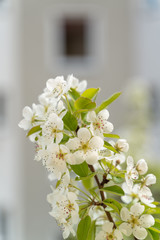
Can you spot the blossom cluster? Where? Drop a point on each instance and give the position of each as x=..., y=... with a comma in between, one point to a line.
x=72, y=137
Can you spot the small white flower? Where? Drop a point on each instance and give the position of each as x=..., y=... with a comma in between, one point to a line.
x=30, y=116
x=84, y=147
x=142, y=167
x=75, y=84
x=149, y=180
x=137, y=193
x=64, y=210
x=52, y=129
x=99, y=123
x=132, y=173
x=57, y=158
x=122, y=145
x=134, y=222
x=57, y=87
x=109, y=233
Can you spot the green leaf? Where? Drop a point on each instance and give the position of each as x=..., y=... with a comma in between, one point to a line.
x=92, y=231
x=153, y=210
x=83, y=228
x=89, y=183
x=87, y=177
x=83, y=210
x=64, y=139
x=110, y=147
x=34, y=130
x=115, y=205
x=107, y=102
x=153, y=235
x=156, y=226
x=90, y=92
x=80, y=169
x=70, y=121
x=111, y=135
x=93, y=193
x=117, y=179
x=113, y=189
x=74, y=94
x=83, y=104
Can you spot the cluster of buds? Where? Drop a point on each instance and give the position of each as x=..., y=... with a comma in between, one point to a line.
x=74, y=142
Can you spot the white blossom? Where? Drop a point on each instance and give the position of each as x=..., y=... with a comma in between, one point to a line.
x=75, y=84
x=134, y=222
x=57, y=158
x=122, y=145
x=52, y=129
x=142, y=167
x=137, y=193
x=57, y=87
x=131, y=173
x=109, y=233
x=65, y=211
x=99, y=123
x=31, y=116
x=84, y=147
x=149, y=180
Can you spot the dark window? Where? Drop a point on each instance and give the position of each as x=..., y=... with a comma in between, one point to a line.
x=75, y=37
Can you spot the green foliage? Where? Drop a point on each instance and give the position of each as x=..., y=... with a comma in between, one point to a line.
x=92, y=231
x=115, y=205
x=70, y=121
x=153, y=235
x=83, y=104
x=81, y=169
x=83, y=229
x=34, y=130
x=90, y=92
x=64, y=139
x=110, y=147
x=74, y=94
x=107, y=102
x=111, y=135
x=114, y=190
x=156, y=227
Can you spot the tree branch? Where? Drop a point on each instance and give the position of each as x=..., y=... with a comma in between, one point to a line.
x=102, y=195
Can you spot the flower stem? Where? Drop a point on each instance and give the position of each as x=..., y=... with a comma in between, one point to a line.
x=102, y=196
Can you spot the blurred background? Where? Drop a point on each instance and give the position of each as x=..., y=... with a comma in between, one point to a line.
x=113, y=44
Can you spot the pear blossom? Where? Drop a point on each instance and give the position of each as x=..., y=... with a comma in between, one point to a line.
x=84, y=147
x=31, y=116
x=57, y=87
x=64, y=210
x=57, y=158
x=149, y=180
x=132, y=173
x=75, y=84
x=142, y=167
x=99, y=123
x=122, y=145
x=52, y=129
x=137, y=193
x=109, y=233
x=135, y=222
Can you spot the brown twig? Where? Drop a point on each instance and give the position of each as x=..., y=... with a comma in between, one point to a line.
x=100, y=185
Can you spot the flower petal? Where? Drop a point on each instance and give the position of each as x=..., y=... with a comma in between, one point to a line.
x=125, y=214
x=73, y=144
x=91, y=157
x=137, y=209
x=96, y=142
x=107, y=227
x=147, y=220
x=126, y=229
x=91, y=116
x=104, y=114
x=139, y=232
x=150, y=179
x=82, y=86
x=27, y=113
x=84, y=135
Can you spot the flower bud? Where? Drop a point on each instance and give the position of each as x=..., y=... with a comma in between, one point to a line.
x=142, y=167
x=122, y=145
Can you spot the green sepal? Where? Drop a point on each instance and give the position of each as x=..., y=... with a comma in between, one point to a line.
x=115, y=205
